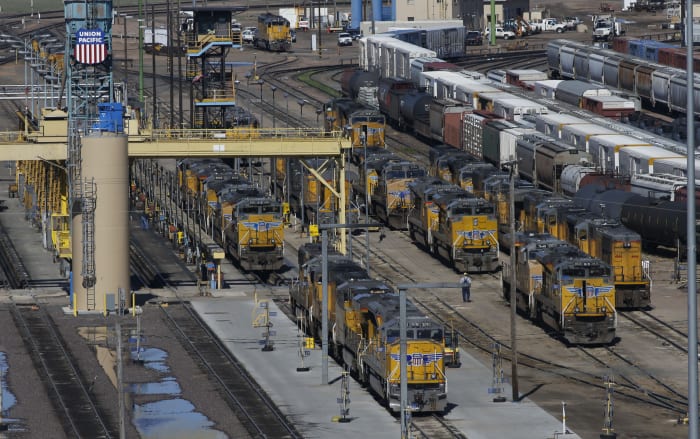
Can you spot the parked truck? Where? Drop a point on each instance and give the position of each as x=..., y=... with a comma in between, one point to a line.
x=549, y=25
x=605, y=27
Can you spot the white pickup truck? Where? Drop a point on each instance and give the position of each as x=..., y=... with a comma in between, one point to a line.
x=500, y=33
x=549, y=25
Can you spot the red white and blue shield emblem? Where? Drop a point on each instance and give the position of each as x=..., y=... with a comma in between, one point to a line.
x=90, y=47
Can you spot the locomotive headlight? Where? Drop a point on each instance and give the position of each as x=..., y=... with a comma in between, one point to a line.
x=433, y=376
x=576, y=310
x=272, y=241
x=604, y=309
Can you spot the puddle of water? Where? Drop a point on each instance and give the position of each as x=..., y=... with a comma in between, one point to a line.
x=173, y=419
x=168, y=386
x=8, y=398
x=153, y=358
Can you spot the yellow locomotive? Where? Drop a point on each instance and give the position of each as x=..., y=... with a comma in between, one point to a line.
x=273, y=33
x=245, y=222
x=390, y=199
x=620, y=247
x=366, y=335
x=599, y=237
x=562, y=287
x=454, y=225
x=363, y=324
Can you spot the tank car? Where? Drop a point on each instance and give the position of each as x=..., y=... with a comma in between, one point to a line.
x=356, y=82
x=565, y=289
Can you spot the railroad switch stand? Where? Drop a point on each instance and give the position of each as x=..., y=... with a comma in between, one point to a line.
x=305, y=344
x=344, y=399
x=608, y=430
x=261, y=319
x=497, y=379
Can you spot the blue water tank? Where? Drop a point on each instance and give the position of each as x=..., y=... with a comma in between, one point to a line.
x=111, y=117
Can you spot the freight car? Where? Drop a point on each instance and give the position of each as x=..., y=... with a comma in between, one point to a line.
x=273, y=33
x=659, y=222
x=363, y=322
x=542, y=159
x=660, y=87
x=565, y=289
x=454, y=225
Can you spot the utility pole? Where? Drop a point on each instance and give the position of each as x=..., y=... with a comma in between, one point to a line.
x=513, y=299
x=691, y=230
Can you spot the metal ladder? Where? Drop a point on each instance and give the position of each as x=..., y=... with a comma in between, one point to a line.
x=88, y=204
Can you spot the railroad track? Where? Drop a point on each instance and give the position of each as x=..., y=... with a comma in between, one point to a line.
x=254, y=408
x=256, y=411
x=661, y=395
x=69, y=393
x=434, y=427
x=667, y=333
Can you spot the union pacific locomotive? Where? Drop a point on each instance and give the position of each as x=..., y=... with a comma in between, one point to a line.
x=563, y=288
x=245, y=222
x=363, y=320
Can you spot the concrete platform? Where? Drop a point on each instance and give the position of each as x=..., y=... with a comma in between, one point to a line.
x=312, y=405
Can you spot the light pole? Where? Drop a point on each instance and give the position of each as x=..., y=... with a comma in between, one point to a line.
x=126, y=56
x=286, y=101
x=260, y=83
x=274, y=117
x=403, y=347
x=141, y=27
x=324, y=228
x=363, y=140
x=301, y=103
x=318, y=113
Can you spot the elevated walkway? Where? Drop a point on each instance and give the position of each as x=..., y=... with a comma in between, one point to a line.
x=236, y=142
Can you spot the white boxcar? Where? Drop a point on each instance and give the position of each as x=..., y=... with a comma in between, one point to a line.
x=552, y=124
x=604, y=150
x=418, y=67
x=509, y=141
x=675, y=166
x=441, y=85
x=640, y=159
x=469, y=91
x=370, y=51
x=579, y=134
x=396, y=56
x=547, y=89
x=657, y=185
x=515, y=108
